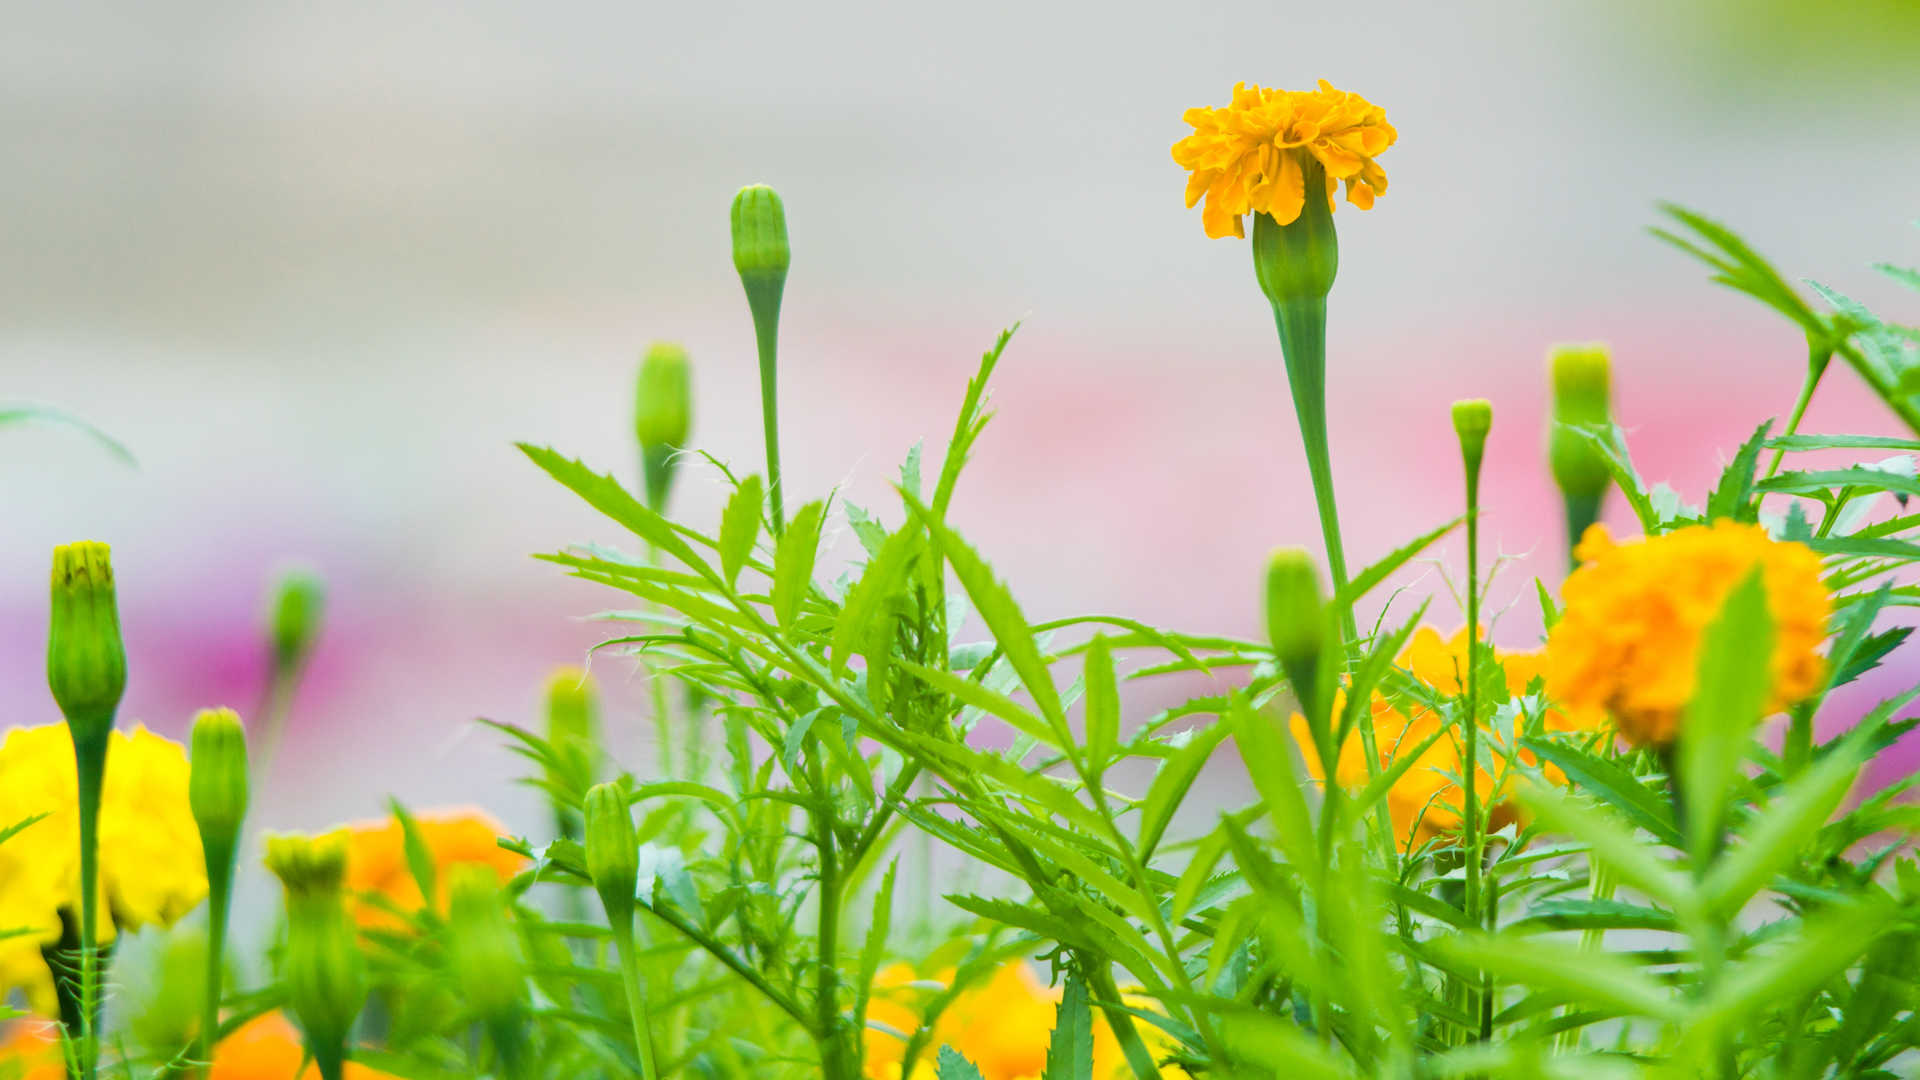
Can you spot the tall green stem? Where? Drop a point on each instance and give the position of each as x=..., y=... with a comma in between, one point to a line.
x=636, y=994
x=219, y=858
x=1302, y=323
x=90, y=760
x=765, y=306
x=835, y=1063
x=1470, y=769
x=1582, y=511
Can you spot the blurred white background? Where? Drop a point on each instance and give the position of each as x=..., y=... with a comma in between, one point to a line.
x=318, y=265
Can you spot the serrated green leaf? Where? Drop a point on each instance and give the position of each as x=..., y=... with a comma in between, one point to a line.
x=865, y=612
x=1611, y=443
x=1070, y=1050
x=1595, y=915
x=875, y=949
x=1364, y=582
x=793, y=562
x=740, y=527
x=420, y=862
x=954, y=1066
x=604, y=493
x=1732, y=497
x=1171, y=783
x=1270, y=763
x=1103, y=705
x=1609, y=843
x=1821, y=481
x=1792, y=443
x=1730, y=693
x=1588, y=976
x=1613, y=784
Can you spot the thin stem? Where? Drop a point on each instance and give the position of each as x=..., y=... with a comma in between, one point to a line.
x=765, y=304
x=1817, y=361
x=90, y=761
x=834, y=1063
x=1303, y=340
x=1132, y=1046
x=219, y=861
x=1470, y=769
x=636, y=994
x=1581, y=512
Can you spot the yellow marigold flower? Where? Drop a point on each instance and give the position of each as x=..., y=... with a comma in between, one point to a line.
x=1425, y=802
x=151, y=869
x=1628, y=642
x=1002, y=1025
x=1249, y=157
x=377, y=858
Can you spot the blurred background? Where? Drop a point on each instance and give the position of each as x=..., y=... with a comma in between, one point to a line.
x=318, y=265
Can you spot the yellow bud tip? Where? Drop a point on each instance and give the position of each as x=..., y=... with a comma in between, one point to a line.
x=760, y=247
x=308, y=865
x=1582, y=378
x=1472, y=420
x=663, y=397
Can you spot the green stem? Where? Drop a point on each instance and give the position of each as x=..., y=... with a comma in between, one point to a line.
x=1817, y=361
x=1302, y=324
x=1132, y=1046
x=1470, y=768
x=834, y=1061
x=1581, y=512
x=636, y=994
x=90, y=762
x=219, y=861
x=765, y=304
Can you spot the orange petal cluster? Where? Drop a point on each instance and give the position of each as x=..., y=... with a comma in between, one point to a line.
x=377, y=859
x=1425, y=802
x=1250, y=157
x=265, y=1048
x=1628, y=641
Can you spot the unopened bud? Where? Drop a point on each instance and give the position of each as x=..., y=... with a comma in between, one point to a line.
x=217, y=782
x=321, y=966
x=299, y=599
x=1472, y=420
x=663, y=398
x=1582, y=378
x=485, y=952
x=86, y=662
x=613, y=849
x=1298, y=261
x=760, y=249
x=1296, y=617
x=572, y=740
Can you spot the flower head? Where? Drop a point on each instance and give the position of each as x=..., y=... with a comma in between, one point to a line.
x=1425, y=802
x=151, y=870
x=1252, y=155
x=1628, y=642
x=1003, y=1025
x=377, y=859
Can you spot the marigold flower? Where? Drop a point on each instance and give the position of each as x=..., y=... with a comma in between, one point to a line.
x=151, y=869
x=265, y=1048
x=1425, y=802
x=1628, y=642
x=377, y=859
x=1249, y=156
x=1002, y=1025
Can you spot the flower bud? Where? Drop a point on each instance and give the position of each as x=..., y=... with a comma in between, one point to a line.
x=613, y=850
x=1296, y=618
x=299, y=598
x=217, y=783
x=485, y=953
x=1297, y=261
x=1472, y=420
x=760, y=250
x=86, y=662
x=321, y=966
x=663, y=399
x=1582, y=375
x=573, y=741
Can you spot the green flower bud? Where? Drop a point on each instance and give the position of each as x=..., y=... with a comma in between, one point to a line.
x=1296, y=618
x=572, y=736
x=217, y=782
x=86, y=662
x=1297, y=261
x=613, y=850
x=321, y=966
x=485, y=953
x=663, y=399
x=299, y=599
x=1472, y=420
x=1582, y=375
x=760, y=249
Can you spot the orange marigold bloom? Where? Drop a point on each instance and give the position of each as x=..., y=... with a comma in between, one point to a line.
x=1628, y=642
x=267, y=1047
x=1002, y=1025
x=1250, y=156
x=1425, y=802
x=377, y=859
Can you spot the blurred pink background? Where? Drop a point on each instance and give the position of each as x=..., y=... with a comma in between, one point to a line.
x=318, y=267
